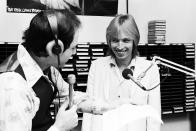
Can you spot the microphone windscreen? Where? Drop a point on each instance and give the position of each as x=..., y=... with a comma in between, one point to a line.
x=71, y=78
x=126, y=72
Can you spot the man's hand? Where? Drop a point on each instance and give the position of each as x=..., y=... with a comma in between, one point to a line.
x=66, y=119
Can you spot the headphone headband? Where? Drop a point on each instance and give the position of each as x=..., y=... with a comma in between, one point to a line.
x=53, y=23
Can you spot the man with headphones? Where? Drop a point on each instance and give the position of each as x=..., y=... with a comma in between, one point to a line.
x=31, y=80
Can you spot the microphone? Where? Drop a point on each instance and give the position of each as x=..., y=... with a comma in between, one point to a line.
x=128, y=74
x=71, y=80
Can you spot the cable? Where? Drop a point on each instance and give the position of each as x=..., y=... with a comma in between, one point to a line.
x=160, y=81
x=58, y=93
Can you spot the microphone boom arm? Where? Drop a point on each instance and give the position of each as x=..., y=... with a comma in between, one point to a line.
x=174, y=65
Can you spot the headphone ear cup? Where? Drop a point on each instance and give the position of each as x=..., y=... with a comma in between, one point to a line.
x=56, y=49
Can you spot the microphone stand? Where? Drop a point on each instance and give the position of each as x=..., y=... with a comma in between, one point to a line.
x=174, y=65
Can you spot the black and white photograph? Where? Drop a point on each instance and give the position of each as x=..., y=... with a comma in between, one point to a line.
x=97, y=65
x=80, y=7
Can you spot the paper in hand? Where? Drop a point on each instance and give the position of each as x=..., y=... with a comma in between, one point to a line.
x=114, y=120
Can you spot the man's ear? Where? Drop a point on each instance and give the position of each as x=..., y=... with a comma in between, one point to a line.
x=50, y=45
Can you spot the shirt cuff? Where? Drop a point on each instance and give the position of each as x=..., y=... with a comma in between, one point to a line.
x=53, y=128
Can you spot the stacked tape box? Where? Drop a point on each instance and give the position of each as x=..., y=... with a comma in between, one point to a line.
x=177, y=88
x=157, y=32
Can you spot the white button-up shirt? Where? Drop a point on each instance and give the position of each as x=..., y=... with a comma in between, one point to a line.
x=18, y=102
x=106, y=83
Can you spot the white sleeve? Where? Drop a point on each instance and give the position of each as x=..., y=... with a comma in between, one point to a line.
x=154, y=98
x=86, y=122
x=18, y=103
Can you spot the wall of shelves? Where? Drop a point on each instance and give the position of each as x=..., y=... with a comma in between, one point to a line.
x=177, y=90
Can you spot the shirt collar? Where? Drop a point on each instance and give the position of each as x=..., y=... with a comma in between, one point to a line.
x=112, y=62
x=31, y=69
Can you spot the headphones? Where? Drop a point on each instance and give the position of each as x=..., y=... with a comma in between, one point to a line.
x=52, y=19
x=56, y=49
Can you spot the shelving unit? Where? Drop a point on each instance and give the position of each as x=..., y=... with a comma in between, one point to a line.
x=177, y=90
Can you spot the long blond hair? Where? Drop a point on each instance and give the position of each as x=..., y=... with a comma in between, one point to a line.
x=127, y=24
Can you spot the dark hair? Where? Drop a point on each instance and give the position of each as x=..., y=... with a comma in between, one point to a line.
x=128, y=25
x=39, y=32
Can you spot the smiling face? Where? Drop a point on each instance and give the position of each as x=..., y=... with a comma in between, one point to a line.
x=123, y=37
x=122, y=46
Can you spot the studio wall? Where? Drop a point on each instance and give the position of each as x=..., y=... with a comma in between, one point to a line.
x=179, y=14
x=13, y=25
x=180, y=18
